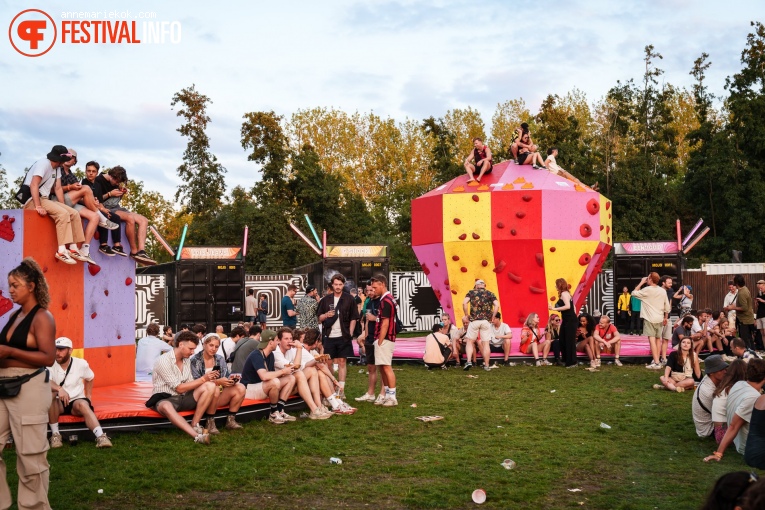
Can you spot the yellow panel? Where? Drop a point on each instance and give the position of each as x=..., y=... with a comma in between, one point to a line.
x=606, y=235
x=564, y=262
x=78, y=353
x=471, y=256
x=474, y=217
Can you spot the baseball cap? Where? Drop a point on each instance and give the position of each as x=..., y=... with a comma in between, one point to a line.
x=63, y=342
x=714, y=363
x=760, y=281
x=265, y=337
x=59, y=154
x=480, y=282
x=309, y=289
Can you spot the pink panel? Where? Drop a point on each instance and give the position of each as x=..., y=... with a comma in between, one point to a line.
x=565, y=211
x=433, y=262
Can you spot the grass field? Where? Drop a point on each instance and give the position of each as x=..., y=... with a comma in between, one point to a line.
x=649, y=458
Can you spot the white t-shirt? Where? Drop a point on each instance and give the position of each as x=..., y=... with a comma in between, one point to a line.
x=719, y=408
x=730, y=298
x=336, y=332
x=74, y=383
x=701, y=418
x=149, y=349
x=551, y=164
x=741, y=398
x=502, y=330
x=228, y=345
x=696, y=327
x=47, y=173
x=282, y=359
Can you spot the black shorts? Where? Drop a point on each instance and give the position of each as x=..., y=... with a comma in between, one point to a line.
x=496, y=348
x=522, y=157
x=183, y=402
x=369, y=348
x=68, y=408
x=338, y=348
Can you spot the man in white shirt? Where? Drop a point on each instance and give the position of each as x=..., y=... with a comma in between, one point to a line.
x=654, y=311
x=290, y=352
x=71, y=381
x=730, y=299
x=41, y=179
x=176, y=390
x=701, y=408
x=501, y=337
x=250, y=306
x=148, y=350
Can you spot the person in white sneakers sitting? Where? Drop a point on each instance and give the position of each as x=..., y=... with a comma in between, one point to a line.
x=71, y=382
x=502, y=338
x=292, y=353
x=328, y=383
x=263, y=381
x=607, y=339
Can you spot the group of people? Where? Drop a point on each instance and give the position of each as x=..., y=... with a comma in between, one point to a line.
x=51, y=188
x=480, y=161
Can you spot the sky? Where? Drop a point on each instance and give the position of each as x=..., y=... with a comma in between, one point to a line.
x=400, y=59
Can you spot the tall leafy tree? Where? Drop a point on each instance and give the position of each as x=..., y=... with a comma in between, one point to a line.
x=444, y=157
x=201, y=175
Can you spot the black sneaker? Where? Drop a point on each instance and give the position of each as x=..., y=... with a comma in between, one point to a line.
x=104, y=248
x=467, y=366
x=119, y=251
x=142, y=258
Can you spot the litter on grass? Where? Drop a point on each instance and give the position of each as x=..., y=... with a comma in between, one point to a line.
x=552, y=391
x=575, y=490
x=604, y=425
x=429, y=418
x=471, y=376
x=335, y=460
x=414, y=405
x=508, y=464
x=100, y=491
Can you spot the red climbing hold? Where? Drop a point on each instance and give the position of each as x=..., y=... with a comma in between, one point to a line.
x=585, y=230
x=526, y=198
x=446, y=282
x=584, y=259
x=513, y=231
x=93, y=269
x=119, y=337
x=65, y=306
x=553, y=298
x=106, y=292
x=476, y=236
x=45, y=269
x=484, y=263
x=593, y=206
x=97, y=236
x=520, y=215
x=435, y=264
x=425, y=270
x=540, y=259
x=457, y=221
x=463, y=237
x=475, y=198
x=454, y=292
x=514, y=277
x=463, y=269
x=608, y=205
x=500, y=266
x=536, y=290
x=608, y=229
x=455, y=258
x=500, y=225
x=93, y=315
x=552, y=249
x=128, y=280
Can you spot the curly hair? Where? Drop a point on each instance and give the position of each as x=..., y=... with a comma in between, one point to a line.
x=30, y=272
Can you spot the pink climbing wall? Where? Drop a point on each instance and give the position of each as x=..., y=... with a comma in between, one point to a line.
x=92, y=305
x=519, y=230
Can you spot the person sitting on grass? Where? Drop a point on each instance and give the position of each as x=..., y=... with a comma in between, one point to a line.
x=552, y=335
x=739, y=349
x=437, y=347
x=231, y=391
x=607, y=339
x=703, y=398
x=731, y=492
x=71, y=381
x=528, y=154
x=531, y=339
x=175, y=389
x=682, y=369
x=264, y=382
x=735, y=372
x=502, y=338
x=111, y=187
x=481, y=160
x=585, y=342
x=292, y=353
x=741, y=401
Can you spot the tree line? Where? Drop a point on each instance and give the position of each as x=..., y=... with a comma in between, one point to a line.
x=659, y=152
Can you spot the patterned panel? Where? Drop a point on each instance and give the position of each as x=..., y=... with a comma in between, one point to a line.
x=150, y=303
x=418, y=305
x=601, y=296
x=274, y=286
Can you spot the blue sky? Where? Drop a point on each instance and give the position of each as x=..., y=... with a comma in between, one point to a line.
x=400, y=59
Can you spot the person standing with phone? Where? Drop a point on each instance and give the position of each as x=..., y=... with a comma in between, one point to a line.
x=338, y=315
x=231, y=391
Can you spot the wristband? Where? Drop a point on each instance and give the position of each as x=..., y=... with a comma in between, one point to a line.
x=718, y=455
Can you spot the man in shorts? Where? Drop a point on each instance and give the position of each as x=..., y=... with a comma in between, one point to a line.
x=666, y=331
x=176, y=390
x=71, y=381
x=263, y=381
x=501, y=337
x=385, y=338
x=371, y=310
x=654, y=310
x=483, y=308
x=607, y=339
x=338, y=315
x=481, y=161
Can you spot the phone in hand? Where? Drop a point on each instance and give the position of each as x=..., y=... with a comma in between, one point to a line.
x=216, y=368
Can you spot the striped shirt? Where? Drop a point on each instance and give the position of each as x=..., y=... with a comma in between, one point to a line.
x=166, y=376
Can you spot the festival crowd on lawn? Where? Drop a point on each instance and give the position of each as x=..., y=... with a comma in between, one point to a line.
x=202, y=372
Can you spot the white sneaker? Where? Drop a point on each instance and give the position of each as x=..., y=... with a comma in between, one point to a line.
x=653, y=366
x=287, y=417
x=366, y=397
x=390, y=402
x=617, y=362
x=275, y=418
x=82, y=257
x=318, y=414
x=64, y=257
x=380, y=399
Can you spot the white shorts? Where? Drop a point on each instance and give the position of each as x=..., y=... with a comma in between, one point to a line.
x=761, y=323
x=476, y=327
x=384, y=352
x=255, y=392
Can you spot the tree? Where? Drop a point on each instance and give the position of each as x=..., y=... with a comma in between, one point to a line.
x=443, y=156
x=508, y=116
x=7, y=192
x=465, y=124
x=201, y=174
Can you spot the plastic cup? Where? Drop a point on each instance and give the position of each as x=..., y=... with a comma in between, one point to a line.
x=479, y=496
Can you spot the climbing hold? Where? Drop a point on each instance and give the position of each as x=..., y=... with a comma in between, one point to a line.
x=473, y=184
x=584, y=259
x=446, y=282
x=528, y=185
x=507, y=187
x=500, y=225
x=519, y=180
x=608, y=229
x=435, y=264
x=463, y=237
x=526, y=198
x=476, y=236
x=45, y=269
x=593, y=206
x=93, y=315
x=97, y=236
x=425, y=270
x=457, y=221
x=585, y=230
x=483, y=187
x=106, y=292
x=552, y=249
x=602, y=227
x=93, y=269
x=475, y=198
x=536, y=290
x=454, y=292
x=128, y=280
x=520, y=215
x=65, y=306
x=579, y=188
x=455, y=258
x=500, y=266
x=438, y=294
x=459, y=188
x=540, y=259
x=484, y=263
x=553, y=298
x=514, y=277
x=608, y=205
x=463, y=269
x=513, y=231
x=119, y=337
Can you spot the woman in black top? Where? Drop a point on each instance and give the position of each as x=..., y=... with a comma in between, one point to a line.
x=585, y=341
x=552, y=332
x=26, y=348
x=565, y=305
x=682, y=368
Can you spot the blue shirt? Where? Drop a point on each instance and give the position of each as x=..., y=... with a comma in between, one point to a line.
x=256, y=361
x=286, y=319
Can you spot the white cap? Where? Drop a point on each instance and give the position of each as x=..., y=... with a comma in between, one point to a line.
x=63, y=342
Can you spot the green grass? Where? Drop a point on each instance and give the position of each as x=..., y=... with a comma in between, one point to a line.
x=650, y=458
